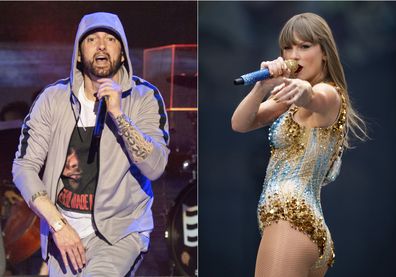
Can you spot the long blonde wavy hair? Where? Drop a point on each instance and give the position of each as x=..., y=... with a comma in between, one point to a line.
x=312, y=28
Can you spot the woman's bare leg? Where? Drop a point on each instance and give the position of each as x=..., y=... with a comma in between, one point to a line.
x=284, y=251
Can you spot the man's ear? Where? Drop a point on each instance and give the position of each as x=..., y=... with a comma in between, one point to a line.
x=122, y=56
x=79, y=56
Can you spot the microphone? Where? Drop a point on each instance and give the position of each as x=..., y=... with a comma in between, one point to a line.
x=253, y=77
x=100, y=118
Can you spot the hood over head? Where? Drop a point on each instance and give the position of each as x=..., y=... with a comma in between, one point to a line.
x=89, y=23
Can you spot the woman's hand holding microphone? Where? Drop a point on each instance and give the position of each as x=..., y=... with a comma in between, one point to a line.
x=286, y=90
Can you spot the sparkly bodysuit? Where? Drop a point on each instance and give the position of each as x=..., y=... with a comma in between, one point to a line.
x=300, y=160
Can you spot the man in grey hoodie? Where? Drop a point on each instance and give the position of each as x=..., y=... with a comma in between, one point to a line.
x=94, y=198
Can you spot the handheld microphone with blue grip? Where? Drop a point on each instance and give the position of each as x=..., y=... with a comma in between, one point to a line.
x=100, y=118
x=253, y=77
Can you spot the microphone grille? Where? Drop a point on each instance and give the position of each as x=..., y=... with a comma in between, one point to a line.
x=292, y=65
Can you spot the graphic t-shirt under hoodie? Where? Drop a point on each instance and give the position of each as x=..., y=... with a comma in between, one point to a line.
x=80, y=174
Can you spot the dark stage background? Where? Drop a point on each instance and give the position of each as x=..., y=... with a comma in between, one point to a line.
x=359, y=207
x=36, y=43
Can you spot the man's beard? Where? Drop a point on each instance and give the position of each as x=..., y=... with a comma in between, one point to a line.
x=100, y=72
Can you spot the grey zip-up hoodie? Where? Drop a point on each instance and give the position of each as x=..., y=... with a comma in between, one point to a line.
x=123, y=195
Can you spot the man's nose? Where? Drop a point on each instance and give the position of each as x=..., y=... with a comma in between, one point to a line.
x=101, y=44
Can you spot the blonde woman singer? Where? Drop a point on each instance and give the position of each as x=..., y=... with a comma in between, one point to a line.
x=312, y=121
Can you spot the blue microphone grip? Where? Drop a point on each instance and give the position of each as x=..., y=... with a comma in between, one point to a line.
x=253, y=77
x=100, y=118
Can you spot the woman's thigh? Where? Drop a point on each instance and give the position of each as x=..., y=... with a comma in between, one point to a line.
x=284, y=251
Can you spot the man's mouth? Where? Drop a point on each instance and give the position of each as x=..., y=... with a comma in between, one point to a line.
x=101, y=58
x=75, y=176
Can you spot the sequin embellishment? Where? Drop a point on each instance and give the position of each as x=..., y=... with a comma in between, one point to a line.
x=301, y=158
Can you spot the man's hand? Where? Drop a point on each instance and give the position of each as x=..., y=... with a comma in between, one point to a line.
x=70, y=246
x=65, y=237
x=112, y=91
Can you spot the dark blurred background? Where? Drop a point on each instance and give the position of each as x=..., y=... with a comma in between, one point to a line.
x=36, y=38
x=359, y=207
x=36, y=44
